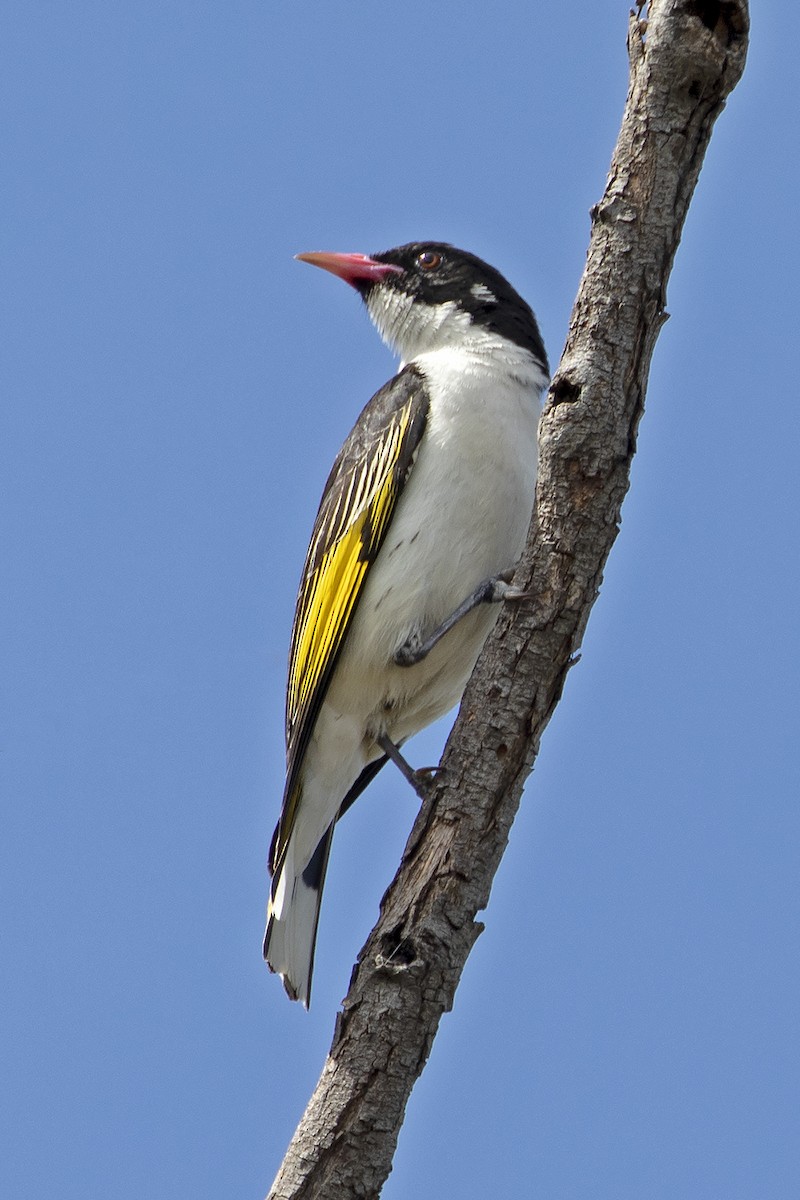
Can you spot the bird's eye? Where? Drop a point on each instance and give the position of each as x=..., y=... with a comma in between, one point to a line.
x=429, y=260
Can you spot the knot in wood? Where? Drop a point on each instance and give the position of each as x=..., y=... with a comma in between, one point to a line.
x=726, y=19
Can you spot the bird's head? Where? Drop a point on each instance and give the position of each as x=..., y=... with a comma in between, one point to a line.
x=426, y=296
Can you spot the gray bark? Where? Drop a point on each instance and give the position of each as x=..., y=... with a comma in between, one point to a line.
x=684, y=61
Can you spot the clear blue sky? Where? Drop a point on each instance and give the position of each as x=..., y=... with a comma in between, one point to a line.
x=174, y=388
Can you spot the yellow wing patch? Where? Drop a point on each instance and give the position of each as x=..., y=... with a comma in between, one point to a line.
x=332, y=593
x=351, y=524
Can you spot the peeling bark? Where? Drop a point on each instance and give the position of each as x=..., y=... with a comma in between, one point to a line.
x=685, y=59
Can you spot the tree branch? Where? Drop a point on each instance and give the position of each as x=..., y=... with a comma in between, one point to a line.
x=684, y=62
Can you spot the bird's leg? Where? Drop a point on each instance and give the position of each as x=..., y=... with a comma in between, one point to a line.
x=490, y=591
x=415, y=778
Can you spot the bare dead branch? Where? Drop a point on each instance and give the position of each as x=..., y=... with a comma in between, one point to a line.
x=685, y=59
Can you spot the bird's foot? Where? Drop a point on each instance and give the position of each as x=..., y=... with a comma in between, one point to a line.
x=420, y=778
x=489, y=591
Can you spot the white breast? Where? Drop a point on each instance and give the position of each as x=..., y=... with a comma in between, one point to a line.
x=462, y=517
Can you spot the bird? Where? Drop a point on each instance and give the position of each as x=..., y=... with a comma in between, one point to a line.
x=421, y=522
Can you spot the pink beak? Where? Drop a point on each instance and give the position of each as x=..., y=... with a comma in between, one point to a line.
x=352, y=268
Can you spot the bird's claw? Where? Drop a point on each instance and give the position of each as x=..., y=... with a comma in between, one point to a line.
x=406, y=655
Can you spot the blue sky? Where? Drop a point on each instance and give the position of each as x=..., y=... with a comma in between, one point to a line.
x=174, y=389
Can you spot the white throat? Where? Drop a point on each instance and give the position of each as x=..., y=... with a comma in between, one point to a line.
x=412, y=328
x=429, y=334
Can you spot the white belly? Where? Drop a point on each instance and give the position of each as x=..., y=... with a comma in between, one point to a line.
x=463, y=517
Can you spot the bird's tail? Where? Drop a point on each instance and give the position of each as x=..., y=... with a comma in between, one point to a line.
x=292, y=920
